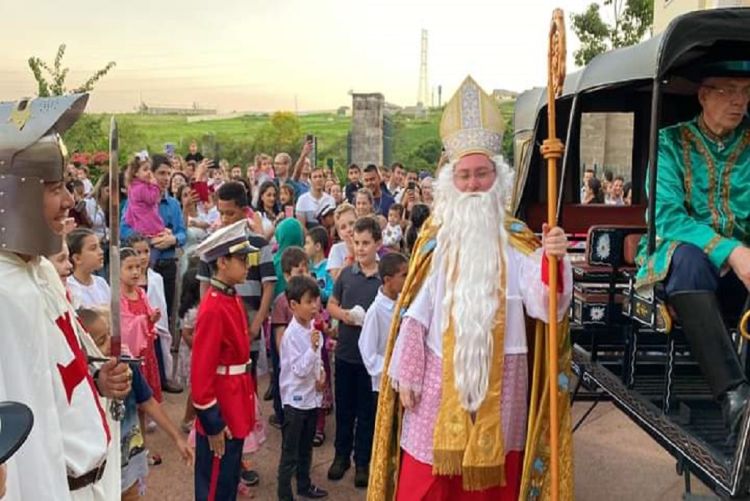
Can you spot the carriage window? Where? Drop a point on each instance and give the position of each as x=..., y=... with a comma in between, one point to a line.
x=606, y=153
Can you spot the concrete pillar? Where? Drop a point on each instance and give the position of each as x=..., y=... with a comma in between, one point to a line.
x=367, y=129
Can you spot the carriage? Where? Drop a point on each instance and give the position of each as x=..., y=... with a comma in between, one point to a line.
x=628, y=348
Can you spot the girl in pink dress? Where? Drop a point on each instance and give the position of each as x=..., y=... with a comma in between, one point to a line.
x=144, y=195
x=138, y=319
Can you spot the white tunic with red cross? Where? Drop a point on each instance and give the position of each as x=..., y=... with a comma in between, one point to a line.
x=42, y=365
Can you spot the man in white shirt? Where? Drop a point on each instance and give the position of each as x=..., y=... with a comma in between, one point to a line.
x=309, y=204
x=396, y=183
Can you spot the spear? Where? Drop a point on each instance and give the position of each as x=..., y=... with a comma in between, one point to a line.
x=552, y=149
x=116, y=408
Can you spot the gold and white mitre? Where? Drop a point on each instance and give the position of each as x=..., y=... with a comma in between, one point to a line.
x=471, y=123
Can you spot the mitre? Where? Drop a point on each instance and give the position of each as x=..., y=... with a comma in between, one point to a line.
x=471, y=123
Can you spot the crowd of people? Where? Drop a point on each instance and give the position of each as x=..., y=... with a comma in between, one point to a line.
x=331, y=259
x=609, y=190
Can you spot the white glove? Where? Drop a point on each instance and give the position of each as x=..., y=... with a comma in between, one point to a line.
x=357, y=315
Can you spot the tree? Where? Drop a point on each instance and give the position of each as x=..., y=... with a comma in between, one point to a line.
x=55, y=86
x=281, y=133
x=633, y=19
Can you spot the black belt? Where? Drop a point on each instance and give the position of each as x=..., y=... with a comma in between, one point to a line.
x=92, y=477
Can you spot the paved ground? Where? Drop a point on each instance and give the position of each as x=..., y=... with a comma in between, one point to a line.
x=614, y=460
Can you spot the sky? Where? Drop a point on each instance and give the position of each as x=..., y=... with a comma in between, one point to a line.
x=267, y=55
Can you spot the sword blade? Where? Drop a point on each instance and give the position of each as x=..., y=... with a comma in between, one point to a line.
x=114, y=237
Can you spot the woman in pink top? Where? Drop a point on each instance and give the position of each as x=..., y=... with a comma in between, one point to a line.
x=144, y=195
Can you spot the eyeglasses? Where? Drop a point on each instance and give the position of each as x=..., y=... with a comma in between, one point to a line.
x=731, y=92
x=465, y=175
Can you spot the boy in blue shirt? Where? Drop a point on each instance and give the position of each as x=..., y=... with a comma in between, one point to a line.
x=316, y=242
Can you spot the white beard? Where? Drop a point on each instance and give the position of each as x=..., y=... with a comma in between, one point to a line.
x=470, y=247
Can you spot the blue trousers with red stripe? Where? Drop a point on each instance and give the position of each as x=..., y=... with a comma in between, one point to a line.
x=217, y=479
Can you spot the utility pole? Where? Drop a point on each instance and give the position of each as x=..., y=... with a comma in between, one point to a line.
x=423, y=95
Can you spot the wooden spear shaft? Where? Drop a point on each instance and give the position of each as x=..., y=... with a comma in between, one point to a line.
x=552, y=150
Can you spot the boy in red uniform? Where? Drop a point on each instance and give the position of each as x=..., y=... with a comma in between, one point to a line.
x=223, y=389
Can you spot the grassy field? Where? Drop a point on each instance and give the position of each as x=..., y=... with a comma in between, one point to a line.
x=413, y=139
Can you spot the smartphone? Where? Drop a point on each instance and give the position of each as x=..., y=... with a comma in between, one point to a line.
x=289, y=211
x=411, y=186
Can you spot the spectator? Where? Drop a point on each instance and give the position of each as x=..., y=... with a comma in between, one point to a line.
x=587, y=174
x=354, y=184
x=607, y=184
x=335, y=192
x=385, y=175
x=83, y=175
x=382, y=201
x=417, y=217
x=190, y=169
x=293, y=262
x=78, y=211
x=287, y=200
x=235, y=174
x=594, y=193
x=425, y=186
x=616, y=192
x=393, y=234
x=304, y=178
x=412, y=196
x=178, y=179
x=327, y=220
x=97, y=209
x=309, y=204
x=188, y=313
x=268, y=208
x=342, y=253
x=283, y=162
x=153, y=284
x=87, y=290
x=193, y=155
x=364, y=202
x=166, y=243
x=353, y=293
x=178, y=163
x=142, y=213
x=264, y=164
x=289, y=233
x=302, y=380
x=397, y=181
x=628, y=193
x=377, y=325
x=412, y=177
x=316, y=244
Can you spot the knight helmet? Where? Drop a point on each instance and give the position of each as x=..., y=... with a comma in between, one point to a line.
x=32, y=154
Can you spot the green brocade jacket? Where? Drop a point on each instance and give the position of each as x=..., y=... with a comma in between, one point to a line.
x=702, y=197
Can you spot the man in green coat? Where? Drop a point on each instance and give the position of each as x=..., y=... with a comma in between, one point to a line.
x=703, y=227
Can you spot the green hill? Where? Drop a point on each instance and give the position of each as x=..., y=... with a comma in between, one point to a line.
x=415, y=141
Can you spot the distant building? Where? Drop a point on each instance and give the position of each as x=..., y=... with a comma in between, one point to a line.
x=344, y=111
x=174, y=110
x=501, y=95
x=666, y=10
x=417, y=111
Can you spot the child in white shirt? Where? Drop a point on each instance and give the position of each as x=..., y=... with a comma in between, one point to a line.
x=301, y=381
x=377, y=324
x=86, y=254
x=393, y=234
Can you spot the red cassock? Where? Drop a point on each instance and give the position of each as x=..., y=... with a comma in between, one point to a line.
x=221, y=340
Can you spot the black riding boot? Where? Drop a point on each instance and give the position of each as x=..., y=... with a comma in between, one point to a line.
x=700, y=316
